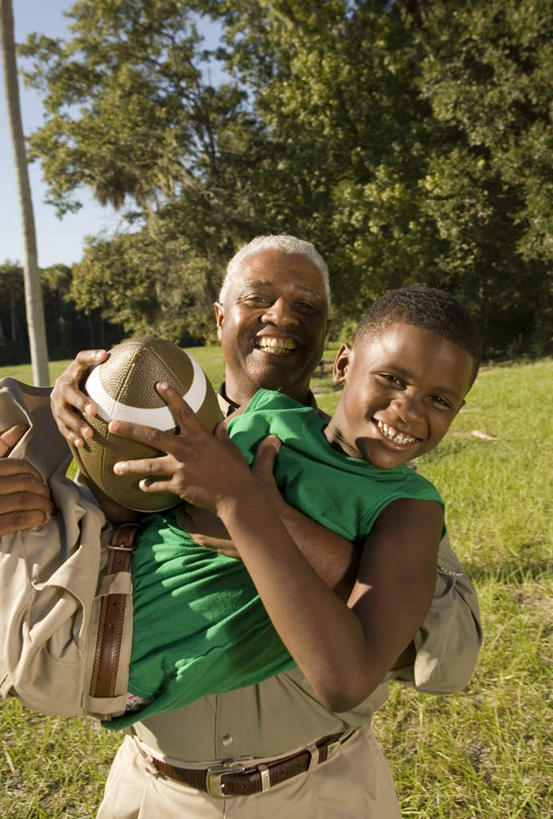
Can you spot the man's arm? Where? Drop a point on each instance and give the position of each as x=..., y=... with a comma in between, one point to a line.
x=24, y=496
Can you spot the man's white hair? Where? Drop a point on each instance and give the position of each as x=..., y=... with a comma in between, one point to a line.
x=286, y=244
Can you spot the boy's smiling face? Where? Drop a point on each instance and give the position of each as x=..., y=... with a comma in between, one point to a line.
x=402, y=389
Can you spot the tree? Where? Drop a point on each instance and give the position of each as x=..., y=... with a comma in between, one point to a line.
x=33, y=296
x=487, y=74
x=411, y=141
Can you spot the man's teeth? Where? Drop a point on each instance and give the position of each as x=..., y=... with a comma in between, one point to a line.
x=276, y=345
x=393, y=435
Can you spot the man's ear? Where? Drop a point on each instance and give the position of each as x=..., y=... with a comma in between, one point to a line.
x=219, y=317
x=342, y=363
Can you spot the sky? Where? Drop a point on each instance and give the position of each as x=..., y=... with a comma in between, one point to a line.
x=58, y=240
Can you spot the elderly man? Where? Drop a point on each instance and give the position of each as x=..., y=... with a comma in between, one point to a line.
x=274, y=745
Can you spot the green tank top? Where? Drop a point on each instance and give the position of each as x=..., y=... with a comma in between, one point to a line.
x=199, y=626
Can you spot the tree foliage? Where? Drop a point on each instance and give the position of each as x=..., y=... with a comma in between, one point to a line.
x=68, y=329
x=411, y=141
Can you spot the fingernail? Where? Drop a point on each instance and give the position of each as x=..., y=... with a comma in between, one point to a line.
x=89, y=409
x=162, y=385
x=119, y=469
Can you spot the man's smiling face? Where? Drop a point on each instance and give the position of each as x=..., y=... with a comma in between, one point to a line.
x=272, y=325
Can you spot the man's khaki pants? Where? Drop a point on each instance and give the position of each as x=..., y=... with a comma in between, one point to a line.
x=356, y=782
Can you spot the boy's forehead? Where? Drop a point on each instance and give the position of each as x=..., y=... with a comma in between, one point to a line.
x=408, y=347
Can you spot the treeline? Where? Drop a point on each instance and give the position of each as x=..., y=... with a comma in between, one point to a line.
x=67, y=328
x=410, y=141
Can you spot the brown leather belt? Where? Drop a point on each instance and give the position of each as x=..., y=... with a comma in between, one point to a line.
x=112, y=614
x=234, y=779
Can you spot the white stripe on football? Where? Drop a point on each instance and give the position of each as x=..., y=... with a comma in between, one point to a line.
x=109, y=408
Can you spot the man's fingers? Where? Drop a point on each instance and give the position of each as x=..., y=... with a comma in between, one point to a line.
x=266, y=453
x=67, y=397
x=11, y=437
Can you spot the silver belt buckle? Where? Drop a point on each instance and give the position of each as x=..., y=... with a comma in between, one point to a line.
x=213, y=784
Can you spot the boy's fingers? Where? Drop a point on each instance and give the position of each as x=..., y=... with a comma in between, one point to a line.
x=182, y=411
x=11, y=437
x=145, y=466
x=11, y=467
x=17, y=521
x=27, y=483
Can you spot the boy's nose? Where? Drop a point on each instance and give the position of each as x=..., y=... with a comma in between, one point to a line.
x=411, y=411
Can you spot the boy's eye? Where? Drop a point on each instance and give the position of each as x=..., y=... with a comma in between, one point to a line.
x=441, y=401
x=392, y=379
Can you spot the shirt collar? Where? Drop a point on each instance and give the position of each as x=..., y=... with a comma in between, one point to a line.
x=227, y=405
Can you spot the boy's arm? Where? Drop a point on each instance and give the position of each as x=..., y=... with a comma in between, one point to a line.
x=333, y=557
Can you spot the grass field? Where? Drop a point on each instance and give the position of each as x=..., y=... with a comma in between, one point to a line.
x=487, y=752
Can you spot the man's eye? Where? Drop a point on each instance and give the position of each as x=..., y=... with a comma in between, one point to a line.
x=306, y=306
x=256, y=299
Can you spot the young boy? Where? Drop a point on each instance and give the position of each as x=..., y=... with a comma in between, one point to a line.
x=201, y=621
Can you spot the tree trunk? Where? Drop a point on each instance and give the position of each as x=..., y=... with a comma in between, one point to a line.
x=31, y=274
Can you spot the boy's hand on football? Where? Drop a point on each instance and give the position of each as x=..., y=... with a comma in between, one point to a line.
x=67, y=397
x=201, y=468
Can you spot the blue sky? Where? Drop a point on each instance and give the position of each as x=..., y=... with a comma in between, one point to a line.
x=58, y=240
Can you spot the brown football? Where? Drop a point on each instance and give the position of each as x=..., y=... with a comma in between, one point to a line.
x=123, y=388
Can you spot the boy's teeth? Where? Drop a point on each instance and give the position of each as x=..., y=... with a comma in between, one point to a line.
x=277, y=344
x=393, y=435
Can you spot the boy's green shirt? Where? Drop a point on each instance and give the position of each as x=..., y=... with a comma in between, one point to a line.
x=199, y=625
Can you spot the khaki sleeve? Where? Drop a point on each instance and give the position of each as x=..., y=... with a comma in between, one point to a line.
x=449, y=640
x=51, y=577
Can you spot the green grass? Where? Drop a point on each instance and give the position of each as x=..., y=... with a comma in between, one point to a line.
x=487, y=752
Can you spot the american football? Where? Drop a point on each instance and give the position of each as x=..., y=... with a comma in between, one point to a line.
x=123, y=388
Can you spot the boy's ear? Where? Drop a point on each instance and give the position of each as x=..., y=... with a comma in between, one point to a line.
x=342, y=362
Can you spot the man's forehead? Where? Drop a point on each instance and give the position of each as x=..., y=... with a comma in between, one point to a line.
x=280, y=284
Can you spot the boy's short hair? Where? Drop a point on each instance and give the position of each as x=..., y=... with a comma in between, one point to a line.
x=426, y=307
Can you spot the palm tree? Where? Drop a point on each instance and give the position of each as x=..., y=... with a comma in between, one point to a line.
x=31, y=274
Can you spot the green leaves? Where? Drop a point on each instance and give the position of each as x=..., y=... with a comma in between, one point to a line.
x=409, y=141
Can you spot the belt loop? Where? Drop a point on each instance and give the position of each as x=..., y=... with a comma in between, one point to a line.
x=265, y=777
x=314, y=751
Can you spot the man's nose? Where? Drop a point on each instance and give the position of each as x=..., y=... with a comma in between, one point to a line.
x=280, y=312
